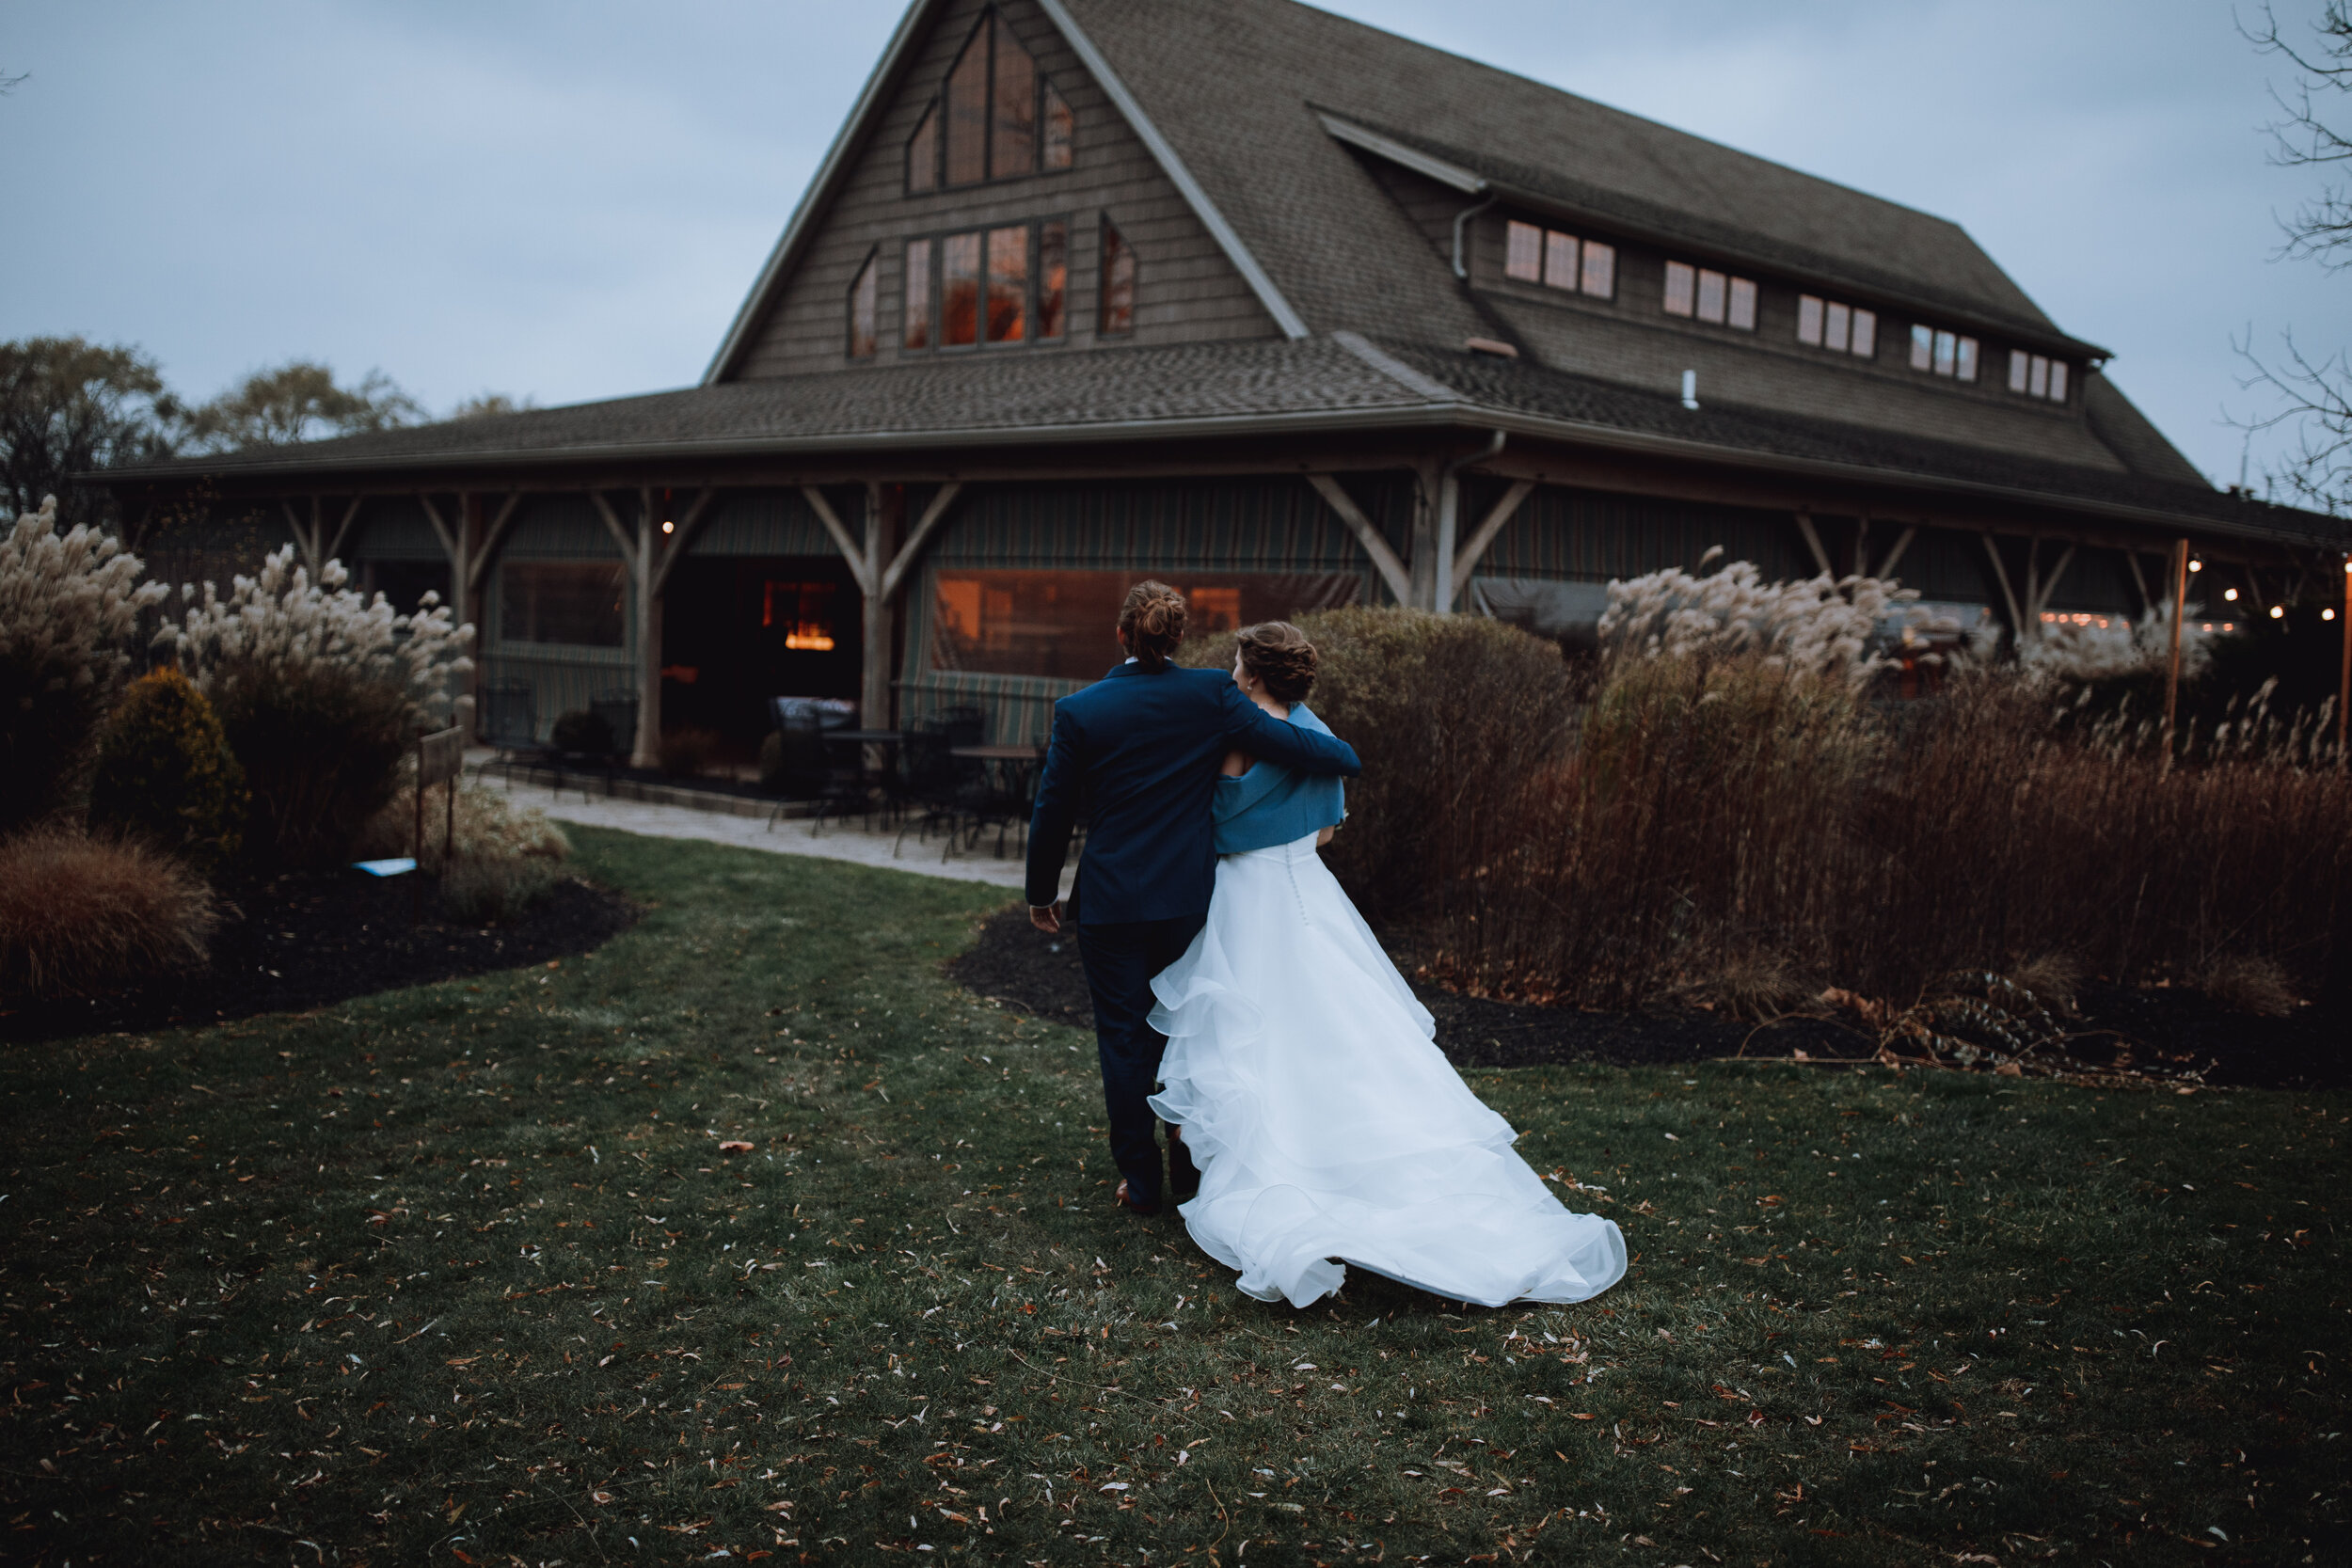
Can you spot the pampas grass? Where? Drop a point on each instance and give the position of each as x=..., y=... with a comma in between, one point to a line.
x=80, y=915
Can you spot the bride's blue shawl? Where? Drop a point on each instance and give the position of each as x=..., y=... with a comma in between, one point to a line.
x=1272, y=804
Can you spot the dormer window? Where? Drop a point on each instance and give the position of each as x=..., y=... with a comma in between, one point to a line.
x=2037, y=376
x=1941, y=352
x=1840, y=328
x=1532, y=254
x=1710, y=295
x=987, y=123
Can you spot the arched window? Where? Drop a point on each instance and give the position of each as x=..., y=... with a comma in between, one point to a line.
x=997, y=118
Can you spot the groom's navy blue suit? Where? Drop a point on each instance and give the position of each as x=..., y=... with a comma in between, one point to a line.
x=1145, y=746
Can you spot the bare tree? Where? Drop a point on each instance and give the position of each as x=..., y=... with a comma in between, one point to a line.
x=2313, y=393
x=68, y=407
x=300, y=402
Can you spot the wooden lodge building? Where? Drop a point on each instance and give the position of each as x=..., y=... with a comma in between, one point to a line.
x=1290, y=312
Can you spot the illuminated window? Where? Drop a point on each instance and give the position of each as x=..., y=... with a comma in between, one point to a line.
x=1532, y=254
x=1941, y=353
x=803, y=611
x=986, y=124
x=580, y=604
x=1058, y=624
x=864, y=296
x=1840, y=328
x=1708, y=295
x=1118, y=283
x=2037, y=376
x=1004, y=285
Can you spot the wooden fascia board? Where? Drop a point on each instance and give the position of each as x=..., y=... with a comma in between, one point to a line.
x=819, y=195
x=1468, y=181
x=1243, y=259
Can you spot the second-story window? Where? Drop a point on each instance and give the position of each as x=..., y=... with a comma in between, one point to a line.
x=1118, y=290
x=2037, y=376
x=1004, y=285
x=864, y=298
x=985, y=125
x=1840, y=328
x=1532, y=254
x=1941, y=352
x=1710, y=295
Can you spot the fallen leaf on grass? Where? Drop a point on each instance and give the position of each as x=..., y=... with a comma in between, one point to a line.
x=734, y=1145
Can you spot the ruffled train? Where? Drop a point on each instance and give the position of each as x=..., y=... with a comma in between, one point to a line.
x=1327, y=1125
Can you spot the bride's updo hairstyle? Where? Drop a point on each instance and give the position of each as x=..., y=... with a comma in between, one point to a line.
x=1279, y=655
x=1152, y=622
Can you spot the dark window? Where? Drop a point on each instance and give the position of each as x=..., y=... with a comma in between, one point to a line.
x=577, y=603
x=960, y=290
x=923, y=152
x=1062, y=127
x=864, y=295
x=1118, y=283
x=1012, y=135
x=1058, y=624
x=803, y=611
x=1052, y=280
x=1007, y=284
x=985, y=125
x=919, y=286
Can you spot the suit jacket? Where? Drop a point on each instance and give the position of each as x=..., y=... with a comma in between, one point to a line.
x=1146, y=744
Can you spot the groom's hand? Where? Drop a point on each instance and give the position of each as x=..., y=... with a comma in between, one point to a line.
x=1046, y=917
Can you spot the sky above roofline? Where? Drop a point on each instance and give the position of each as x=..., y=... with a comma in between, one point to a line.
x=569, y=200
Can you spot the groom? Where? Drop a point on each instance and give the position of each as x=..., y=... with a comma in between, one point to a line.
x=1144, y=745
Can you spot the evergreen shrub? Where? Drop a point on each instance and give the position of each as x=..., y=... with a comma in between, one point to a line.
x=166, y=773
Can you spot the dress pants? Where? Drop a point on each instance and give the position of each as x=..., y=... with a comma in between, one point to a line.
x=1121, y=959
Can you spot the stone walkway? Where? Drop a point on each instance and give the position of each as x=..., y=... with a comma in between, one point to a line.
x=836, y=841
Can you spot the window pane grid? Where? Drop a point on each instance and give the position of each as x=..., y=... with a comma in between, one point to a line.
x=1947, y=353
x=1523, y=252
x=1710, y=296
x=1534, y=254
x=1007, y=284
x=1840, y=328
x=919, y=286
x=986, y=123
x=2035, y=375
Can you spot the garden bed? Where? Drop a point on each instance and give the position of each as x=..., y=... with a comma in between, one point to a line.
x=302, y=941
x=2165, y=1033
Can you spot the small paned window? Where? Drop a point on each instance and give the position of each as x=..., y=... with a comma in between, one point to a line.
x=1532, y=254
x=1007, y=284
x=960, y=291
x=923, y=152
x=1061, y=129
x=2037, y=376
x=1941, y=352
x=920, y=284
x=1840, y=328
x=1523, y=252
x=865, y=299
x=1052, y=280
x=1118, y=283
x=1708, y=295
x=985, y=125
x=580, y=603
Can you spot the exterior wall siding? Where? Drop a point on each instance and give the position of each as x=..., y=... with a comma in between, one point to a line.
x=1186, y=289
x=1597, y=536
x=764, y=522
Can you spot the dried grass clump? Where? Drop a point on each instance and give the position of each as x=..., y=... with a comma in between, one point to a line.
x=489, y=827
x=1820, y=625
x=2250, y=985
x=489, y=891
x=80, y=915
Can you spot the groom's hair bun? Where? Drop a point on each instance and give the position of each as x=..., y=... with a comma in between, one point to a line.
x=1279, y=655
x=1152, y=621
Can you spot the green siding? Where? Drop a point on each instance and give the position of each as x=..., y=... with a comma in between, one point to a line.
x=763, y=522
x=564, y=528
x=1597, y=536
x=393, y=528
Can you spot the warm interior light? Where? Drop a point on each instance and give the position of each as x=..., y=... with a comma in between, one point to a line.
x=669, y=527
x=2277, y=610
x=808, y=643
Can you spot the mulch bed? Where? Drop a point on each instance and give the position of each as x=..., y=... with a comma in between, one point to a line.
x=2164, y=1034
x=304, y=942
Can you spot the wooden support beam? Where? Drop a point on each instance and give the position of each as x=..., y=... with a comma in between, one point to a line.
x=1489, y=528
x=342, y=530
x=1384, y=560
x=2047, y=586
x=1894, y=556
x=851, y=550
x=306, y=537
x=1813, y=543
x=2139, y=582
x=1861, y=546
x=433, y=516
x=894, y=577
x=689, y=523
x=2009, y=595
x=494, y=538
x=885, y=512
x=2180, y=613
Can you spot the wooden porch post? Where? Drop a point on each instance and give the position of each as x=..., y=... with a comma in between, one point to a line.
x=885, y=522
x=2344, y=685
x=2179, y=612
x=1422, y=565
x=647, y=751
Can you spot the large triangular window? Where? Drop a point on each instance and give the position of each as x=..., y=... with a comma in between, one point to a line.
x=996, y=118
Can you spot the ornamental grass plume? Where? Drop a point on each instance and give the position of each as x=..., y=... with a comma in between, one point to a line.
x=2118, y=651
x=81, y=916
x=1818, y=625
x=70, y=604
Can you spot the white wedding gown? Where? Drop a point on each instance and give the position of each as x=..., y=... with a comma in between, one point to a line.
x=1326, y=1124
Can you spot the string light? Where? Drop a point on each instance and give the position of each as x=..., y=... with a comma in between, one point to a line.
x=2199, y=566
x=2228, y=594
x=2326, y=615
x=2277, y=612
x=669, y=527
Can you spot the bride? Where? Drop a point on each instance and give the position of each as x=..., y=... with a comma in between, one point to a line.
x=1328, y=1127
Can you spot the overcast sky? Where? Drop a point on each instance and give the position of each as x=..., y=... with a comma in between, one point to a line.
x=568, y=199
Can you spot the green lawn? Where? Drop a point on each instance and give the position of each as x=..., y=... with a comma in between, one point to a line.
x=465, y=1273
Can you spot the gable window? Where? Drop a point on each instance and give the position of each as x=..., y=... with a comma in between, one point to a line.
x=865, y=335
x=1009, y=284
x=1941, y=352
x=1118, y=283
x=1840, y=328
x=2037, y=376
x=1710, y=296
x=1532, y=254
x=986, y=123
